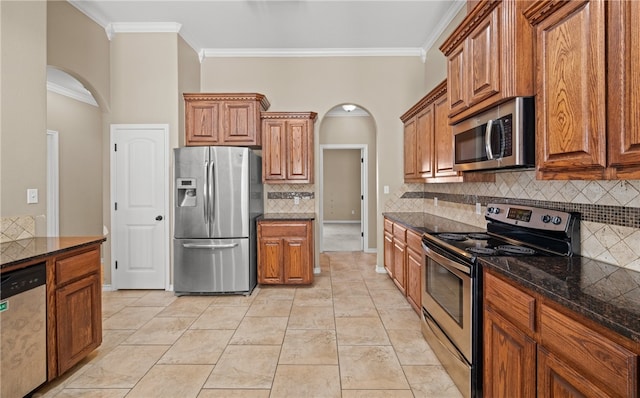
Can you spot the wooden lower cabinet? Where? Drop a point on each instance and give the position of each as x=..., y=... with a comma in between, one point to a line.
x=403, y=261
x=415, y=262
x=285, y=252
x=559, y=355
x=79, y=320
x=74, y=320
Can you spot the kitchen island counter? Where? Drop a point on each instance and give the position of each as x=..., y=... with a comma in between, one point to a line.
x=606, y=294
x=24, y=252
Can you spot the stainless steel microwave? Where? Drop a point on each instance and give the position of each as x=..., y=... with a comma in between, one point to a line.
x=501, y=137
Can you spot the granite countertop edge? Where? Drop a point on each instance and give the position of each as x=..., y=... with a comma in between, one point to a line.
x=425, y=222
x=287, y=216
x=613, y=319
x=54, y=246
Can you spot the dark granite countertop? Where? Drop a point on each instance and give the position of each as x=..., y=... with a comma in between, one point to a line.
x=288, y=216
x=604, y=293
x=23, y=251
x=425, y=222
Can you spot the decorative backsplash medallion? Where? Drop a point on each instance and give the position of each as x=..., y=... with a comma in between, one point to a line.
x=610, y=210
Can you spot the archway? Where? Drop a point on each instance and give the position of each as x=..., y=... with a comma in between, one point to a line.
x=344, y=135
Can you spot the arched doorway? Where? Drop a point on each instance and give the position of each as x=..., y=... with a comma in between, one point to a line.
x=347, y=180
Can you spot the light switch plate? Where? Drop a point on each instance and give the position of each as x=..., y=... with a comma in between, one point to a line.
x=32, y=195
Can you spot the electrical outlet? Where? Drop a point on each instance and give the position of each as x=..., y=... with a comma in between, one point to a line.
x=386, y=189
x=435, y=201
x=32, y=195
x=478, y=208
x=296, y=200
x=353, y=212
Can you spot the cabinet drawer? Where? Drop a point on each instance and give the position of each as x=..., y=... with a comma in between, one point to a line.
x=388, y=225
x=271, y=229
x=589, y=352
x=414, y=241
x=399, y=232
x=76, y=266
x=511, y=302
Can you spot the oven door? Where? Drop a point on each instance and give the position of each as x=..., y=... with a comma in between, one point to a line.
x=447, y=298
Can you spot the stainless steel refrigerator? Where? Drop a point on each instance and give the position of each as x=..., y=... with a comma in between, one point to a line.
x=218, y=196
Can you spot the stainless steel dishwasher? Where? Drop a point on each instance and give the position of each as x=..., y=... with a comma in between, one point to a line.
x=23, y=331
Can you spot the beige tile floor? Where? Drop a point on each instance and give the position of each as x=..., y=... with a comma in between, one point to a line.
x=351, y=334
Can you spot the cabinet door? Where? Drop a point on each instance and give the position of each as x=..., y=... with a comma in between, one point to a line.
x=274, y=152
x=78, y=320
x=623, y=82
x=297, y=268
x=571, y=92
x=298, y=151
x=388, y=253
x=424, y=142
x=240, y=123
x=414, y=272
x=556, y=379
x=270, y=252
x=410, y=150
x=509, y=359
x=399, y=264
x=443, y=138
x=456, y=80
x=202, y=122
x=483, y=59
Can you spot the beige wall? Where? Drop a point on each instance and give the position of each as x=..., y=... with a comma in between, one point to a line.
x=79, y=127
x=341, y=185
x=23, y=102
x=80, y=47
x=358, y=131
x=385, y=86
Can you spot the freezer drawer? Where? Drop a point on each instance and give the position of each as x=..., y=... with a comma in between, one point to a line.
x=213, y=266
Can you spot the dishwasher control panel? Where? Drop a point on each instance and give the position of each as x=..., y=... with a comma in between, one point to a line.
x=16, y=282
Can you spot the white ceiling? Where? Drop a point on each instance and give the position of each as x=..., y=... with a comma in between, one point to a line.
x=298, y=27
x=274, y=28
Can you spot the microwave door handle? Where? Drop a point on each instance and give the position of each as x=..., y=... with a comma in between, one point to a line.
x=487, y=139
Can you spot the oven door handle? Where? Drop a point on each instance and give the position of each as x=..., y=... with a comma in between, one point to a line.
x=445, y=261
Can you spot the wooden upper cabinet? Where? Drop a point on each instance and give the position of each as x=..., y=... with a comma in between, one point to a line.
x=587, y=103
x=489, y=57
x=428, y=142
x=223, y=119
x=623, y=67
x=287, y=153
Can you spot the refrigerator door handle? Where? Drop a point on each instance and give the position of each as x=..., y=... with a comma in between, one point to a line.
x=212, y=193
x=206, y=194
x=197, y=246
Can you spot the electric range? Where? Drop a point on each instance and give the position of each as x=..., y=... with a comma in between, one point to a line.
x=452, y=279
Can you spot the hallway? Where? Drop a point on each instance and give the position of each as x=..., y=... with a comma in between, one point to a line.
x=350, y=334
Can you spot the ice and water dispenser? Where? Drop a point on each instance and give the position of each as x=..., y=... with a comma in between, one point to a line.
x=186, y=192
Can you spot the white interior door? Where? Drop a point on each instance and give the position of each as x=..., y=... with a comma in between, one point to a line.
x=139, y=189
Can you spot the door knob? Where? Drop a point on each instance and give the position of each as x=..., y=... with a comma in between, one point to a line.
x=159, y=218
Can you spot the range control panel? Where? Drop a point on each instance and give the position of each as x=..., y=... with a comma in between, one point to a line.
x=530, y=217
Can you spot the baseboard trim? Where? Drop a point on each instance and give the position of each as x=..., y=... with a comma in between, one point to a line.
x=370, y=250
x=341, y=222
x=107, y=288
x=317, y=271
x=380, y=270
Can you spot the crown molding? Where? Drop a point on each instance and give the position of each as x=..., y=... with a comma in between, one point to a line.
x=444, y=22
x=73, y=94
x=142, y=27
x=311, y=52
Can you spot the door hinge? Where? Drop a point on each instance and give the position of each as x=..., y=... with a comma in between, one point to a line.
x=115, y=207
x=361, y=197
x=115, y=147
x=361, y=160
x=116, y=265
x=362, y=234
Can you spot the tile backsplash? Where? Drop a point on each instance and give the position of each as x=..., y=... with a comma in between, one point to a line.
x=610, y=210
x=281, y=198
x=19, y=227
